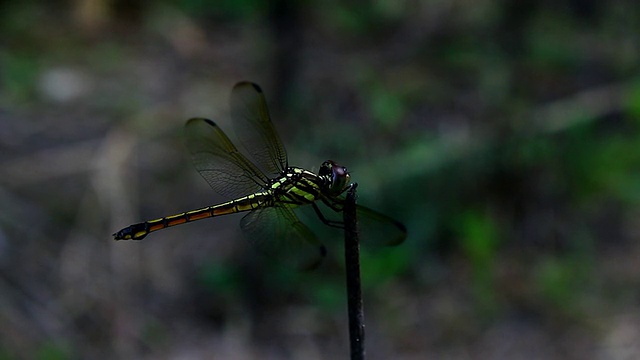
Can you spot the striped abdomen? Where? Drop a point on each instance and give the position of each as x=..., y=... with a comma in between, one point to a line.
x=247, y=203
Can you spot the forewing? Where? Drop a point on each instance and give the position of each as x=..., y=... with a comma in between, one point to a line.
x=377, y=229
x=215, y=157
x=278, y=233
x=255, y=130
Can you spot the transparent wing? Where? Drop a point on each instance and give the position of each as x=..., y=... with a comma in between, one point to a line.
x=377, y=229
x=255, y=130
x=277, y=232
x=226, y=170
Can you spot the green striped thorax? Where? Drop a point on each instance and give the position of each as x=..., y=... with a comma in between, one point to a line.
x=336, y=177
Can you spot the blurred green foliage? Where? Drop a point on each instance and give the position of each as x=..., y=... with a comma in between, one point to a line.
x=562, y=283
x=219, y=277
x=632, y=103
x=51, y=351
x=19, y=73
x=429, y=104
x=479, y=241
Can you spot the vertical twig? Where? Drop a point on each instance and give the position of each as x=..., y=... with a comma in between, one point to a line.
x=352, y=261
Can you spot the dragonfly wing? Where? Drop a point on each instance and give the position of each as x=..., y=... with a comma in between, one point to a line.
x=254, y=128
x=377, y=229
x=219, y=162
x=277, y=232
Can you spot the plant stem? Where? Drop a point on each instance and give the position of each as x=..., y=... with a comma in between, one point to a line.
x=352, y=264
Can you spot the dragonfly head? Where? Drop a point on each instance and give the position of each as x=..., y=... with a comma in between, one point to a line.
x=337, y=177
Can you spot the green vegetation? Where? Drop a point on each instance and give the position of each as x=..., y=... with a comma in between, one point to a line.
x=505, y=135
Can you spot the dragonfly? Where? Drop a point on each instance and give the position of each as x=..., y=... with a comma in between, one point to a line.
x=267, y=188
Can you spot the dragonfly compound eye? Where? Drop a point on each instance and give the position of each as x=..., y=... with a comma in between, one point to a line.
x=339, y=179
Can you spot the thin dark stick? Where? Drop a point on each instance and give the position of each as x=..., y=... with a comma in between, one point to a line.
x=352, y=262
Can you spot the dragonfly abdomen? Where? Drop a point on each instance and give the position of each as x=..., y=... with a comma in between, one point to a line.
x=247, y=203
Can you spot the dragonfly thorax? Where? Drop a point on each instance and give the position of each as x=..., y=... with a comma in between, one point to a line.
x=336, y=177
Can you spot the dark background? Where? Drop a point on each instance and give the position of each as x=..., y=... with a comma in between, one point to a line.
x=505, y=135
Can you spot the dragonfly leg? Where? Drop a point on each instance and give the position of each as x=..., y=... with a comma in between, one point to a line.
x=332, y=223
x=334, y=204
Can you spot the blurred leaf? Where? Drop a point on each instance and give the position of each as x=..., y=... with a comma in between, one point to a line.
x=597, y=166
x=479, y=237
x=534, y=152
x=53, y=351
x=633, y=102
x=387, y=106
x=329, y=295
x=560, y=281
x=552, y=40
x=17, y=18
x=19, y=73
x=355, y=18
x=5, y=354
x=479, y=241
x=220, y=278
x=384, y=264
